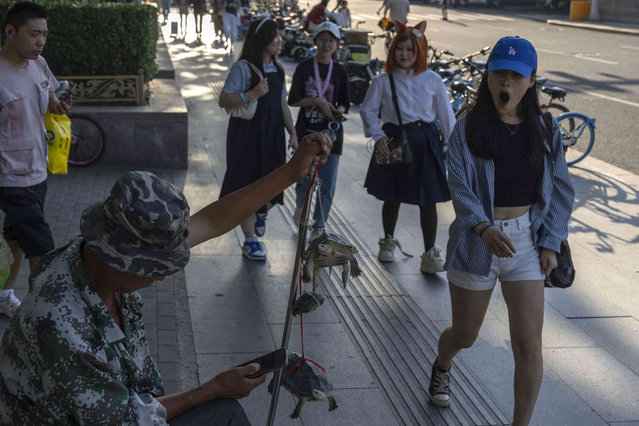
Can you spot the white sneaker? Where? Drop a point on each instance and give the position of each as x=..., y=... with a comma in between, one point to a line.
x=9, y=304
x=432, y=261
x=387, y=248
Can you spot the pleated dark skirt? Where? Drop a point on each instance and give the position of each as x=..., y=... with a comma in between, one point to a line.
x=421, y=182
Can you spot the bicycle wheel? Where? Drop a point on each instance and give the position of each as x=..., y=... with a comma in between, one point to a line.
x=87, y=140
x=577, y=135
x=555, y=109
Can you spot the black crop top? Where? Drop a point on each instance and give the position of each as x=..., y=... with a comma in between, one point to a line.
x=516, y=183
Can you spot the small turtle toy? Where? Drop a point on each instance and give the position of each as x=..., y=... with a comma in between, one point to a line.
x=306, y=303
x=329, y=250
x=308, y=382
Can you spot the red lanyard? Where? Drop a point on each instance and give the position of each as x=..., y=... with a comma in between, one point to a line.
x=321, y=90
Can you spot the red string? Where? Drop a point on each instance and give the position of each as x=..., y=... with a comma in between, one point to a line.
x=296, y=365
x=320, y=367
x=309, y=190
x=301, y=316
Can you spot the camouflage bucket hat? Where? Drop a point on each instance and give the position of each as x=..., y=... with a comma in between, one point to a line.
x=141, y=228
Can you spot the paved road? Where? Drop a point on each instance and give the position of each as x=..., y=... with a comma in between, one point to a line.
x=598, y=69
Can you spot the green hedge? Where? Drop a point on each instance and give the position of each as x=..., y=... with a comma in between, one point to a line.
x=99, y=38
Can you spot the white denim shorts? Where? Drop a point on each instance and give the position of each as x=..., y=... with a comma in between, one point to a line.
x=523, y=266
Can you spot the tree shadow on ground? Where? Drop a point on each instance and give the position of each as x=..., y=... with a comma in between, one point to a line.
x=609, y=198
x=608, y=82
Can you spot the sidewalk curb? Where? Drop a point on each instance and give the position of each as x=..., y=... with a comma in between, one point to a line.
x=595, y=27
x=189, y=377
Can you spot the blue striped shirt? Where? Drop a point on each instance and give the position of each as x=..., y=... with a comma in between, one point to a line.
x=471, y=180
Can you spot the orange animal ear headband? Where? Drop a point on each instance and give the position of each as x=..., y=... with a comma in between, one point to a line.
x=418, y=30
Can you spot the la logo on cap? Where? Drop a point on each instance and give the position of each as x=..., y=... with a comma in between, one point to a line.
x=512, y=51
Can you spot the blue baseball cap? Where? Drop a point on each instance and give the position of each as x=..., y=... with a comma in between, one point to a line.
x=514, y=54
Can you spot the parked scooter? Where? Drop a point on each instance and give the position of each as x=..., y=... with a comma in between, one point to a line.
x=355, y=54
x=296, y=43
x=360, y=76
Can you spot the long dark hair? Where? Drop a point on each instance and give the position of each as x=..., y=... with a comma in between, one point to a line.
x=482, y=118
x=256, y=42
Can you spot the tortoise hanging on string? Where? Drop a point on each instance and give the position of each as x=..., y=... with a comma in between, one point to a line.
x=307, y=381
x=328, y=250
x=306, y=303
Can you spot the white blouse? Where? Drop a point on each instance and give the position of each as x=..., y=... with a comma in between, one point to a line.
x=420, y=97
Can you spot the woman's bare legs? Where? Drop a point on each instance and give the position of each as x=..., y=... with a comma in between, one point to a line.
x=525, y=301
x=469, y=309
x=248, y=225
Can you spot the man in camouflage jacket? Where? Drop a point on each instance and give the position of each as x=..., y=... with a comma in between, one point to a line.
x=75, y=351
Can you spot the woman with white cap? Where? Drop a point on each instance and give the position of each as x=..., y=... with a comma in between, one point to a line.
x=320, y=88
x=513, y=197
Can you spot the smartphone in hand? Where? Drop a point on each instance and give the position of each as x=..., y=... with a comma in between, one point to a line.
x=67, y=93
x=269, y=362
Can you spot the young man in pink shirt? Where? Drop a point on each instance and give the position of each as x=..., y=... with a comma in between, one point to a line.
x=27, y=89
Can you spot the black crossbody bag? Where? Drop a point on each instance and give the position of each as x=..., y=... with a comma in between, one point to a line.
x=399, y=149
x=564, y=274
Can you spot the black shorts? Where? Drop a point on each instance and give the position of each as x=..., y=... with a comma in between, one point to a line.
x=24, y=218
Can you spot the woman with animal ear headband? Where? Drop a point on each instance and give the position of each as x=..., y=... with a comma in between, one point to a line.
x=421, y=98
x=256, y=146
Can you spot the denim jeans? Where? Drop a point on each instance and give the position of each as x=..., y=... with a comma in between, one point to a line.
x=328, y=178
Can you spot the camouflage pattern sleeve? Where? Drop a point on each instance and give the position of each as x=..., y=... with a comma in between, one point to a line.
x=63, y=360
x=83, y=389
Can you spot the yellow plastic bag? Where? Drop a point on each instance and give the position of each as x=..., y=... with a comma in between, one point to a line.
x=59, y=140
x=6, y=259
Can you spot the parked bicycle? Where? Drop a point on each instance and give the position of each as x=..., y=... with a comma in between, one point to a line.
x=577, y=135
x=87, y=136
x=87, y=140
x=461, y=76
x=557, y=94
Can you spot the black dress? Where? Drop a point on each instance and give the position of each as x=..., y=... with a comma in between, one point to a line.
x=256, y=147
